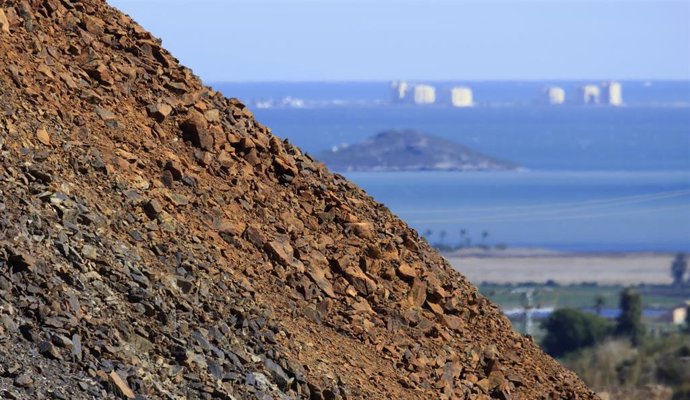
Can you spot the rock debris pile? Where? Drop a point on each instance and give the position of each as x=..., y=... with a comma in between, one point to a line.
x=157, y=242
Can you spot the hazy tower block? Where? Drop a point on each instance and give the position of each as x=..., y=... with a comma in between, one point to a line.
x=554, y=95
x=612, y=93
x=399, y=91
x=424, y=94
x=590, y=94
x=461, y=96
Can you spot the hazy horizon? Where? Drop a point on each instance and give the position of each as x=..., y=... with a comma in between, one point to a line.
x=345, y=81
x=441, y=40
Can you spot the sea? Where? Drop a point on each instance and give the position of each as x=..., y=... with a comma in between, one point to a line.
x=593, y=178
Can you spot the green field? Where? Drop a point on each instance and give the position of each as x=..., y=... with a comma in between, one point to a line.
x=584, y=296
x=579, y=296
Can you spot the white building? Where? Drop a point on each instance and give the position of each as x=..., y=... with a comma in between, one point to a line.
x=590, y=94
x=554, y=95
x=461, y=96
x=612, y=93
x=678, y=315
x=424, y=94
x=399, y=91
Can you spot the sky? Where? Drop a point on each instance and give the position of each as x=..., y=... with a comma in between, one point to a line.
x=364, y=40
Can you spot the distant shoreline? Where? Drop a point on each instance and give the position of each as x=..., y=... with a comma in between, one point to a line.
x=535, y=252
x=541, y=266
x=499, y=93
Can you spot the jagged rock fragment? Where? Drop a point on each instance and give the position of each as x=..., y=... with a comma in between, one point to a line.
x=195, y=129
x=121, y=386
x=406, y=271
x=159, y=242
x=4, y=23
x=160, y=111
x=43, y=136
x=101, y=73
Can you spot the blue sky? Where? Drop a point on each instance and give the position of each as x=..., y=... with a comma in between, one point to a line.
x=315, y=40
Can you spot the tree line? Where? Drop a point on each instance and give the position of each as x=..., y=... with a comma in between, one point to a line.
x=569, y=330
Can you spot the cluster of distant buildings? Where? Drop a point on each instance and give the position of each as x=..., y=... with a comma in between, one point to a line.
x=291, y=102
x=404, y=92
x=609, y=93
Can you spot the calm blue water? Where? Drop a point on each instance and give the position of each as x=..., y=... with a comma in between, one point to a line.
x=568, y=138
x=598, y=179
x=576, y=211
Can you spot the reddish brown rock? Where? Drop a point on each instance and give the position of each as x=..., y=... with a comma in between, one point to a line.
x=212, y=115
x=4, y=22
x=318, y=275
x=435, y=308
x=362, y=229
x=121, y=385
x=232, y=227
x=175, y=169
x=417, y=294
x=162, y=240
x=361, y=282
x=153, y=208
x=101, y=73
x=406, y=271
x=92, y=24
x=195, y=129
x=160, y=111
x=453, y=322
x=43, y=136
x=283, y=165
x=281, y=250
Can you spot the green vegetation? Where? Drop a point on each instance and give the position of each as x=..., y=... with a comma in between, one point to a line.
x=682, y=393
x=621, y=359
x=465, y=241
x=678, y=269
x=629, y=322
x=632, y=357
x=569, y=330
x=585, y=295
x=617, y=367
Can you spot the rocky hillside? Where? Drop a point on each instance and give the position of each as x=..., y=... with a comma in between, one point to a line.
x=410, y=150
x=157, y=242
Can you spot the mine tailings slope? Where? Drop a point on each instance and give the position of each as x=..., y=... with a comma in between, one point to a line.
x=157, y=242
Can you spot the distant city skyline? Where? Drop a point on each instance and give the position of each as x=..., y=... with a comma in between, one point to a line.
x=432, y=40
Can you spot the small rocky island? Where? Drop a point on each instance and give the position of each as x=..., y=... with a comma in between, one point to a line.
x=410, y=150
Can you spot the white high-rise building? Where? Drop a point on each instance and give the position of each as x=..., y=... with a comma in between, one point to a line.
x=424, y=94
x=612, y=93
x=590, y=94
x=461, y=96
x=399, y=91
x=554, y=95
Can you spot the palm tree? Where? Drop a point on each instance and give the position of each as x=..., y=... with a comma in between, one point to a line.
x=599, y=303
x=443, y=235
x=678, y=269
x=485, y=235
x=463, y=232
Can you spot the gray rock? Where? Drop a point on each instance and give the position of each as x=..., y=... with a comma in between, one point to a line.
x=258, y=380
x=24, y=380
x=278, y=374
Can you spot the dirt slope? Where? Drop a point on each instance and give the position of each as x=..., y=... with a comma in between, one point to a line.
x=157, y=242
